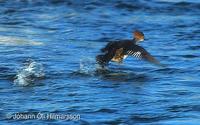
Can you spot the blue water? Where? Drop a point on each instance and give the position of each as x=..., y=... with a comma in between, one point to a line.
x=47, y=63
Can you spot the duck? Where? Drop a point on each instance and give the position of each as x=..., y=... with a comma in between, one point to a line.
x=117, y=51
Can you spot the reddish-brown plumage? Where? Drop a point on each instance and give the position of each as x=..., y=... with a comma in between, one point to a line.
x=139, y=36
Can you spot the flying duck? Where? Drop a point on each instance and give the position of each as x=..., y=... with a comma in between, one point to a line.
x=117, y=51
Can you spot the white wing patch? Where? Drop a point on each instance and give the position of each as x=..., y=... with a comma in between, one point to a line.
x=136, y=54
x=125, y=56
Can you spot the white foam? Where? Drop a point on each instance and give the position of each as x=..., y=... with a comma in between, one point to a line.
x=29, y=73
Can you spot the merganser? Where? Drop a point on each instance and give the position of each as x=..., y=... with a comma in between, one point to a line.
x=118, y=50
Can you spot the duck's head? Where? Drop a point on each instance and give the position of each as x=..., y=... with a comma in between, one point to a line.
x=138, y=36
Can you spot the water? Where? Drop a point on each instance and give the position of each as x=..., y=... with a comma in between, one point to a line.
x=29, y=74
x=48, y=51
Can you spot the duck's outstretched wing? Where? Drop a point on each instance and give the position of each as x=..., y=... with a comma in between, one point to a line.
x=139, y=52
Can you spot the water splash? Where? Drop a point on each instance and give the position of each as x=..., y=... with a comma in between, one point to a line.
x=87, y=66
x=29, y=73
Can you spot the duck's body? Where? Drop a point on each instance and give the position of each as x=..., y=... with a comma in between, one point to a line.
x=119, y=50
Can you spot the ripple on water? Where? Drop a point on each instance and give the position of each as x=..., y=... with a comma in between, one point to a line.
x=105, y=110
x=197, y=47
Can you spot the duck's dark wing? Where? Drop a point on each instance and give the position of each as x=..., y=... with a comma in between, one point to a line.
x=104, y=59
x=109, y=46
x=139, y=52
x=109, y=51
x=116, y=45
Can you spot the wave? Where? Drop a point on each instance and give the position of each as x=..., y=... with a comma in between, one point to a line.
x=10, y=40
x=29, y=73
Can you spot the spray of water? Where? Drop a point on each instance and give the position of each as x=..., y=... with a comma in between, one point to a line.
x=29, y=73
x=87, y=66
